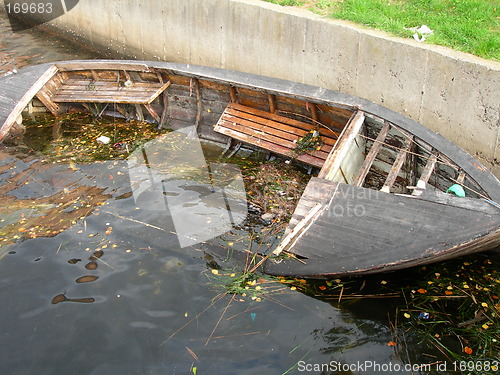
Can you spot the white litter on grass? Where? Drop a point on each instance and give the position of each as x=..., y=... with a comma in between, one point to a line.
x=103, y=139
x=420, y=32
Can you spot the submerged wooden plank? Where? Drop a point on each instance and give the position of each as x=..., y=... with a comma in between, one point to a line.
x=372, y=154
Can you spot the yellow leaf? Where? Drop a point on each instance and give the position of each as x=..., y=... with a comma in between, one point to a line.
x=407, y=316
x=215, y=272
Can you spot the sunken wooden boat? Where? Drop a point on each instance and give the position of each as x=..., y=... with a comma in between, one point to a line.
x=378, y=200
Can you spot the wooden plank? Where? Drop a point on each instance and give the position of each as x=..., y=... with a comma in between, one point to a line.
x=46, y=92
x=264, y=134
x=278, y=149
x=372, y=154
x=429, y=168
x=294, y=235
x=317, y=191
x=233, y=94
x=461, y=177
x=282, y=119
x=398, y=164
x=248, y=119
x=199, y=102
x=26, y=98
x=274, y=129
x=342, y=146
x=139, y=113
x=105, y=93
x=152, y=112
x=272, y=103
x=391, y=232
x=101, y=65
x=283, y=123
x=159, y=91
x=314, y=111
x=164, y=112
x=75, y=84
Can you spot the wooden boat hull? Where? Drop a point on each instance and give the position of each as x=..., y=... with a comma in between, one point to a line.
x=359, y=216
x=363, y=231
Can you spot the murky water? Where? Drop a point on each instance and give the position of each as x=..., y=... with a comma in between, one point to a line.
x=107, y=289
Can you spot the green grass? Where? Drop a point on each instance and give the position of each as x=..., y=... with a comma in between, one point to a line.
x=471, y=26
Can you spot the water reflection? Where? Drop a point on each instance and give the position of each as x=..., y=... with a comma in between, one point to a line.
x=141, y=303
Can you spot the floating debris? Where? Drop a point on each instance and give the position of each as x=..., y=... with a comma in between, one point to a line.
x=86, y=279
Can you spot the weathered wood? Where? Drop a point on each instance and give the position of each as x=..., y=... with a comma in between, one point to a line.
x=272, y=103
x=199, y=103
x=101, y=65
x=398, y=164
x=317, y=191
x=341, y=148
x=80, y=91
x=276, y=148
x=301, y=227
x=272, y=132
x=164, y=112
x=279, y=128
x=138, y=112
x=372, y=154
x=461, y=178
x=365, y=231
x=233, y=94
x=46, y=100
x=254, y=126
x=314, y=111
x=429, y=168
x=26, y=98
x=152, y=112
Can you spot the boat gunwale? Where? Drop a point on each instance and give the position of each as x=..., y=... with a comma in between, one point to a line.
x=472, y=167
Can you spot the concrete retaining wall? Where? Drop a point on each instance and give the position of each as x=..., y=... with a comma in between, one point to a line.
x=452, y=93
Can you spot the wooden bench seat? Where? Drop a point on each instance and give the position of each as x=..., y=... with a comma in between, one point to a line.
x=273, y=132
x=87, y=91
